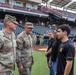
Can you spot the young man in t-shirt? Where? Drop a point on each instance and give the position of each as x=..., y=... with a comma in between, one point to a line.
x=54, y=54
x=66, y=52
x=51, y=40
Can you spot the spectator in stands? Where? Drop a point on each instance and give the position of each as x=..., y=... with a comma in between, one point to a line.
x=66, y=52
x=42, y=24
x=20, y=22
x=24, y=50
x=8, y=46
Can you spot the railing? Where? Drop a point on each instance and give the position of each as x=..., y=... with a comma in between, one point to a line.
x=4, y=5
x=19, y=8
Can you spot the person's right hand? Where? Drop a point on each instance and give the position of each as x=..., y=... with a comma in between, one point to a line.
x=45, y=53
x=20, y=68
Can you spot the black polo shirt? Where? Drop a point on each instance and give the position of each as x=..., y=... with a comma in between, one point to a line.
x=66, y=52
x=50, y=45
x=55, y=46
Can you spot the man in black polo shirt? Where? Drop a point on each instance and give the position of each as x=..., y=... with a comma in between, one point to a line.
x=51, y=40
x=66, y=52
x=54, y=54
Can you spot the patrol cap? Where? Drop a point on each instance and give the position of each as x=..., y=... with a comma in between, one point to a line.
x=10, y=18
x=29, y=25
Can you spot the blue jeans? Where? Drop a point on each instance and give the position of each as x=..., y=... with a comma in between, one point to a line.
x=53, y=67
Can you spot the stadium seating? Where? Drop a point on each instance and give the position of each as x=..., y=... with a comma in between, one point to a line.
x=18, y=30
x=58, y=13
x=20, y=8
x=41, y=29
x=1, y=26
x=48, y=10
x=4, y=5
x=68, y=14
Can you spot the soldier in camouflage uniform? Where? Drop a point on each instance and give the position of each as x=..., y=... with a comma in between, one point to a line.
x=24, y=50
x=7, y=46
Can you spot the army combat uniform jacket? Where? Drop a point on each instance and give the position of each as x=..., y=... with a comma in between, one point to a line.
x=24, y=52
x=7, y=52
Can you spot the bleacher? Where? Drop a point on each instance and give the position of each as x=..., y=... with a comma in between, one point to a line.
x=50, y=10
x=4, y=5
x=68, y=14
x=1, y=26
x=37, y=29
x=58, y=13
x=18, y=30
x=40, y=30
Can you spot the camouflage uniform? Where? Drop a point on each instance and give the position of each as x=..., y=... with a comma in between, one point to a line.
x=24, y=53
x=7, y=52
x=7, y=48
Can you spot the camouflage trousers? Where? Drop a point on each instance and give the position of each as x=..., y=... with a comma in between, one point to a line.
x=26, y=71
x=7, y=73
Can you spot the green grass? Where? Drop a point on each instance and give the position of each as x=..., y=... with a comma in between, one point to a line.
x=16, y=71
x=75, y=66
x=39, y=67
